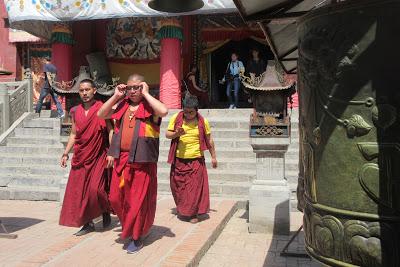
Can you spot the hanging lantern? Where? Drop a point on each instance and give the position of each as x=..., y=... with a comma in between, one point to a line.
x=176, y=6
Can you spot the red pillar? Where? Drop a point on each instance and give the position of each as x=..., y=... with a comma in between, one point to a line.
x=61, y=51
x=62, y=59
x=187, y=49
x=8, y=51
x=170, y=63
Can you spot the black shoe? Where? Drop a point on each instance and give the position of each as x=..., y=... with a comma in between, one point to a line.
x=87, y=228
x=106, y=220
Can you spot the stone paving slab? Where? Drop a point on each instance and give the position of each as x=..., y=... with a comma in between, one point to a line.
x=235, y=246
x=42, y=242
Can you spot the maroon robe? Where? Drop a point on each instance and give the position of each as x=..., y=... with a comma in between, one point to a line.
x=85, y=196
x=202, y=96
x=188, y=177
x=133, y=192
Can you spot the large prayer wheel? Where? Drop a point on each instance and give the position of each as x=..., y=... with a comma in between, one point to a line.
x=349, y=84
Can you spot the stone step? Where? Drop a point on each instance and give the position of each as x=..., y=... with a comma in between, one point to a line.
x=22, y=159
x=42, y=180
x=48, y=123
x=8, y=169
x=228, y=189
x=215, y=175
x=219, y=142
x=223, y=133
x=228, y=164
x=221, y=113
x=44, y=140
x=33, y=132
x=30, y=193
x=55, y=150
x=221, y=152
x=216, y=123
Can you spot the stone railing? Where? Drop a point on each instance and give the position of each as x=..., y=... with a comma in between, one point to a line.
x=15, y=100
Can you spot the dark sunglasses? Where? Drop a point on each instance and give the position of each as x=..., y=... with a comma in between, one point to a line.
x=134, y=87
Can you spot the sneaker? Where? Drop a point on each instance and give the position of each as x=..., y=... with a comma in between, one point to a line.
x=231, y=106
x=234, y=107
x=134, y=246
x=106, y=220
x=87, y=228
x=61, y=116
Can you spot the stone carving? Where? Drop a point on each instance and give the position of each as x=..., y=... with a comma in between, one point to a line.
x=18, y=103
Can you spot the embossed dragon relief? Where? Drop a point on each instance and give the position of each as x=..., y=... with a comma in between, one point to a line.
x=357, y=242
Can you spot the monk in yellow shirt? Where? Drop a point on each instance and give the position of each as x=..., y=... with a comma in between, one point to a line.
x=191, y=136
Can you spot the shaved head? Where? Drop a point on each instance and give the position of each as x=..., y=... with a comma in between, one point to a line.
x=135, y=77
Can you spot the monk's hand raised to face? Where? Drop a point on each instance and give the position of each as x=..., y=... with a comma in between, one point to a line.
x=214, y=163
x=64, y=159
x=120, y=90
x=109, y=162
x=145, y=88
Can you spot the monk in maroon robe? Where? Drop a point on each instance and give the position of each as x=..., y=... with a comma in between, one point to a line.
x=85, y=196
x=194, y=89
x=135, y=148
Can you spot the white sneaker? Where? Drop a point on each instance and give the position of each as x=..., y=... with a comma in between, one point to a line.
x=231, y=106
x=234, y=107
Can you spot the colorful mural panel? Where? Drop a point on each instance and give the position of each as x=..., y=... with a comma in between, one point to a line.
x=133, y=38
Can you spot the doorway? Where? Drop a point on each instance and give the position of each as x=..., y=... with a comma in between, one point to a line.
x=219, y=61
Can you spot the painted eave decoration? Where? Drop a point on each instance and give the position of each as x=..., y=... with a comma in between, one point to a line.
x=71, y=10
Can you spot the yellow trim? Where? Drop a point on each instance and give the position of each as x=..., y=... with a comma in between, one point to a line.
x=150, y=131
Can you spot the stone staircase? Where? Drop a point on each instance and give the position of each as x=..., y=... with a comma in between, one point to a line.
x=29, y=160
x=237, y=164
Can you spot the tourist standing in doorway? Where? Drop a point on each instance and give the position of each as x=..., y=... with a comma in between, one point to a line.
x=135, y=149
x=50, y=74
x=190, y=136
x=256, y=65
x=194, y=89
x=85, y=196
x=233, y=70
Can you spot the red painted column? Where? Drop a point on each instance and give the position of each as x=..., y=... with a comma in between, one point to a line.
x=170, y=63
x=8, y=51
x=187, y=49
x=62, y=59
x=61, y=51
x=170, y=73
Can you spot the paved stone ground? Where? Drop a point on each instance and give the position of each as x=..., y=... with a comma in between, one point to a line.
x=42, y=242
x=236, y=247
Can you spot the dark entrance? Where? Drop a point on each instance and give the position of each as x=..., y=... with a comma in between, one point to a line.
x=219, y=61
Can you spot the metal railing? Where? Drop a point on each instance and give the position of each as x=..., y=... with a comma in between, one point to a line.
x=15, y=99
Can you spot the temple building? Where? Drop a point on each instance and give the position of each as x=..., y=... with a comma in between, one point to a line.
x=112, y=39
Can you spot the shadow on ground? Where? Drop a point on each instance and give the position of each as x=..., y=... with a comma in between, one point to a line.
x=14, y=224
x=293, y=245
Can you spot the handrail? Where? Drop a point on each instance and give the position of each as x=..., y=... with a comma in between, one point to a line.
x=16, y=102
